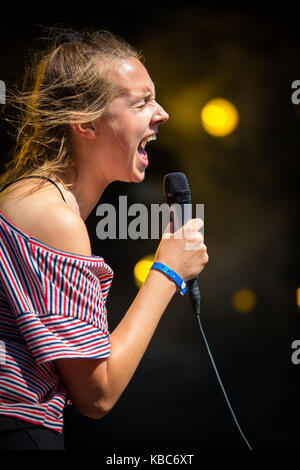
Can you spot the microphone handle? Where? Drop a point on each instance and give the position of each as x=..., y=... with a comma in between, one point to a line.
x=180, y=218
x=194, y=293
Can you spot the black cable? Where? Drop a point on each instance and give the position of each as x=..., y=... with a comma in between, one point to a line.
x=197, y=309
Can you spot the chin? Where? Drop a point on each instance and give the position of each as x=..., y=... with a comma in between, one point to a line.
x=138, y=176
x=142, y=176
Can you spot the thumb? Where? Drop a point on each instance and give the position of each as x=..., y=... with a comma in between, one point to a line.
x=168, y=230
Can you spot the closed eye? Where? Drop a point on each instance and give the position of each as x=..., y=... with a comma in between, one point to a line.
x=147, y=101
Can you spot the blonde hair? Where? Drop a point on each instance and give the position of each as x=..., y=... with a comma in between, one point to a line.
x=70, y=82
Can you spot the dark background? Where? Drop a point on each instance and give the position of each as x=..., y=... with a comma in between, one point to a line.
x=248, y=183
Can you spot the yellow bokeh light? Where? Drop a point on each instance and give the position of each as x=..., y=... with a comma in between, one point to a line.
x=298, y=296
x=219, y=117
x=244, y=300
x=141, y=270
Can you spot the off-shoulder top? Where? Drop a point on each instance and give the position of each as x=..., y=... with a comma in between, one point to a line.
x=52, y=306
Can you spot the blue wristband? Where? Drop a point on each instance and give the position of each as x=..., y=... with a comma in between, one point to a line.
x=172, y=275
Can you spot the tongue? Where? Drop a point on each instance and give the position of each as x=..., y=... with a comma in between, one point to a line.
x=142, y=150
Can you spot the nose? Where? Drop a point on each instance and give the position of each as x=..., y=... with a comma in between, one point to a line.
x=160, y=116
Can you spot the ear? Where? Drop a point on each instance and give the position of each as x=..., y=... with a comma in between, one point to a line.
x=86, y=130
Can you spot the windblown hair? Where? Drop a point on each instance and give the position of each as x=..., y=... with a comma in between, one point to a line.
x=70, y=82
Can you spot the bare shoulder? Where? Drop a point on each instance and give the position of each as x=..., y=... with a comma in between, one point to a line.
x=45, y=216
x=60, y=227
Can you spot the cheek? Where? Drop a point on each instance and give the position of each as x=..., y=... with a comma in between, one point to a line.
x=122, y=134
x=114, y=138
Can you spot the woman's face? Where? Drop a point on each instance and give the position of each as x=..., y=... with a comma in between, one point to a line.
x=132, y=116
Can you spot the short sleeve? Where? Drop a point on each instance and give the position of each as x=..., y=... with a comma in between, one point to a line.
x=66, y=315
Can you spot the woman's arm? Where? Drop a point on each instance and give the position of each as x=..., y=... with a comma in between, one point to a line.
x=93, y=385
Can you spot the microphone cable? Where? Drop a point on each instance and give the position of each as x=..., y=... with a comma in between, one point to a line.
x=178, y=195
x=197, y=312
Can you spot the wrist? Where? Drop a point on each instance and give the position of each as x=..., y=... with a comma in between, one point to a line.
x=159, y=281
x=172, y=275
x=171, y=265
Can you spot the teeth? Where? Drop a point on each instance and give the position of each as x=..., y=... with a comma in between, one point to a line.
x=152, y=137
x=145, y=141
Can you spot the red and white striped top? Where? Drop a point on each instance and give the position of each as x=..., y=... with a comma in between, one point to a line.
x=52, y=306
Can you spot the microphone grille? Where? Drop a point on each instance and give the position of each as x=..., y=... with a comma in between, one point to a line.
x=175, y=182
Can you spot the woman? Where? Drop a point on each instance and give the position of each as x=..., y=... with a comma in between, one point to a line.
x=84, y=124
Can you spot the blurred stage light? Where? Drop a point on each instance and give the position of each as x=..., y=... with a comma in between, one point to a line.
x=141, y=270
x=219, y=117
x=298, y=296
x=244, y=300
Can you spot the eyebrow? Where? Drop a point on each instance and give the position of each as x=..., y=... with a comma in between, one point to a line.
x=145, y=96
x=148, y=95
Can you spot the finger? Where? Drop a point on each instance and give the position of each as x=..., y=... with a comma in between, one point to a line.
x=197, y=224
x=193, y=235
x=194, y=224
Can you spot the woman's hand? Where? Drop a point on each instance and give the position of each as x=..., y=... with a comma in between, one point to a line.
x=184, y=250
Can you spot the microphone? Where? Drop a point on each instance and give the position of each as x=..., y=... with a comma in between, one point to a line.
x=178, y=196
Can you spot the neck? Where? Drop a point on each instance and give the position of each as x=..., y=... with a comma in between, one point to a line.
x=84, y=192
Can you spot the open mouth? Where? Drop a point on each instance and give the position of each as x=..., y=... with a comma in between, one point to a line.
x=142, y=145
